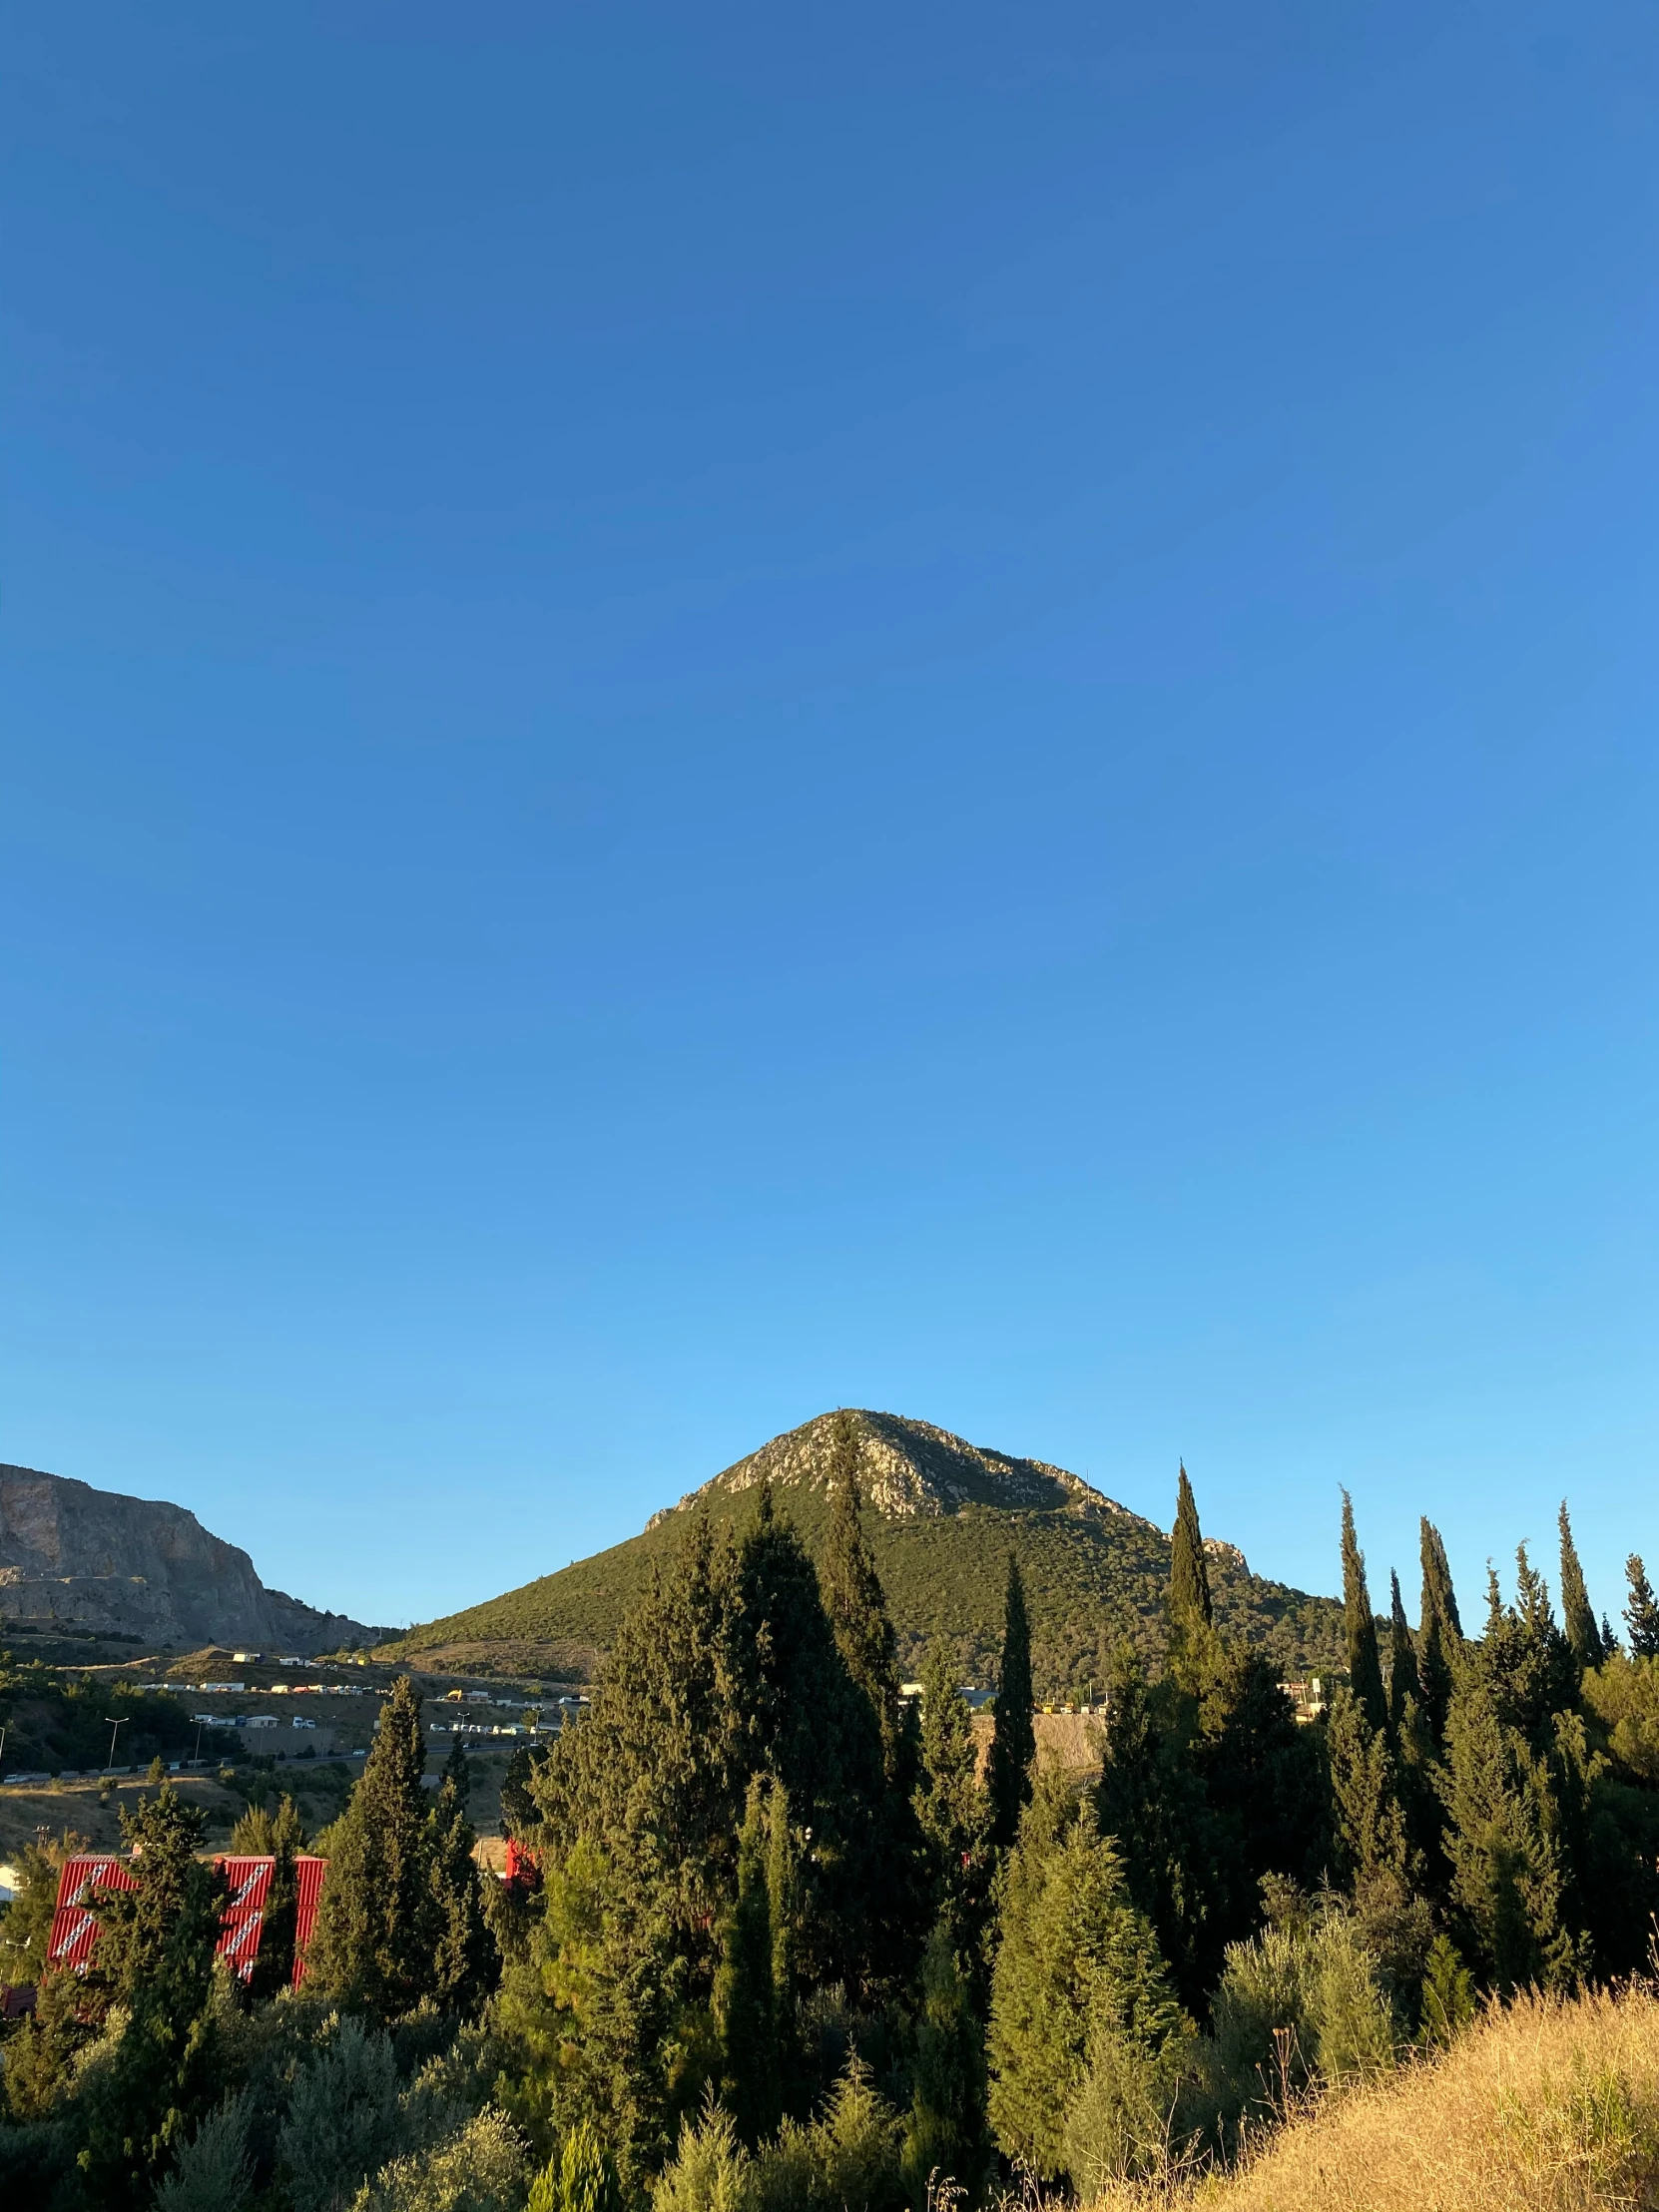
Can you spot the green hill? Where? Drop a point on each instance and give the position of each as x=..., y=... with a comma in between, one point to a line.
x=941, y=1516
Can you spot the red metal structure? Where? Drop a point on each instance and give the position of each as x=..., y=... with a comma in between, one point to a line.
x=75, y=1926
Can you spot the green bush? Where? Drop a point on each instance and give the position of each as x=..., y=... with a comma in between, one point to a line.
x=847, y=2160
x=342, y=2123
x=211, y=2172
x=481, y=2168
x=1298, y=2005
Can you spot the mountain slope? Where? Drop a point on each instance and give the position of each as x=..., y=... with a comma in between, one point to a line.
x=941, y=1517
x=78, y=1558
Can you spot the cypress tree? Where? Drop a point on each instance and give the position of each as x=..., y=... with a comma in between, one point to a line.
x=639, y=1807
x=373, y=1945
x=1544, y=1664
x=1365, y=1800
x=1440, y=1634
x=1576, y=1617
x=1439, y=1599
x=273, y=1964
x=465, y=1962
x=949, y=1806
x=745, y=2003
x=457, y=1773
x=1503, y=1834
x=1365, y=1667
x=1014, y=1736
x=518, y=1805
x=1641, y=1615
x=811, y=1724
x=1404, y=1680
x=1189, y=1570
x=946, y=2135
x=854, y=1600
x=1153, y=1804
x=155, y=1958
x=1078, y=1986
x=783, y=1911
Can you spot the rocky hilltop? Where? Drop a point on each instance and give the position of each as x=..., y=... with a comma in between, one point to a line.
x=907, y=1469
x=943, y=1515
x=78, y=1558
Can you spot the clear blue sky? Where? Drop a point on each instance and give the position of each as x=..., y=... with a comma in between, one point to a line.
x=716, y=711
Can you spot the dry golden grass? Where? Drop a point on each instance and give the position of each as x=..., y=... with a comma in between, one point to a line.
x=1543, y=2106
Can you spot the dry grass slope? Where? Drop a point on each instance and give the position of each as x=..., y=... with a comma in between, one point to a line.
x=1545, y=2106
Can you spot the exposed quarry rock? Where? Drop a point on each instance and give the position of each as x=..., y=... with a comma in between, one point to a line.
x=89, y=1559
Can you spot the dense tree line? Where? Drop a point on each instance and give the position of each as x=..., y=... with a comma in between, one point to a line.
x=779, y=1939
x=56, y=1722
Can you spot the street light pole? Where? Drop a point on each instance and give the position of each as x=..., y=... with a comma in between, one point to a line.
x=114, y=1725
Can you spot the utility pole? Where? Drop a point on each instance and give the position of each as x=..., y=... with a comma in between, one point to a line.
x=114, y=1725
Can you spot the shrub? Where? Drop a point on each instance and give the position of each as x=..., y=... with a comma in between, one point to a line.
x=210, y=2172
x=711, y=2171
x=579, y=2177
x=847, y=2160
x=481, y=2168
x=1299, y=2005
x=344, y=2119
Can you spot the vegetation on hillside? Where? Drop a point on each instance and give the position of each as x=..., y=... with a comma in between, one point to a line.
x=1093, y=1578
x=58, y=1723
x=771, y=1945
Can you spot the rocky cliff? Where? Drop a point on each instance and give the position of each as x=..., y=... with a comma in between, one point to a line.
x=89, y=1559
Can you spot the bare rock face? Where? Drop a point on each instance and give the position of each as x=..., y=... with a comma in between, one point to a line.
x=92, y=1559
x=909, y=1469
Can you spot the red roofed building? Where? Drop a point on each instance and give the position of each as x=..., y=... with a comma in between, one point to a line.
x=74, y=1925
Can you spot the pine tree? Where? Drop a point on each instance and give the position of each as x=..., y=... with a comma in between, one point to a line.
x=854, y=1600
x=1576, y=1617
x=1014, y=1736
x=744, y=1999
x=949, y=1804
x=1364, y=1666
x=1404, y=1680
x=1641, y=1615
x=1189, y=1570
x=375, y=1937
